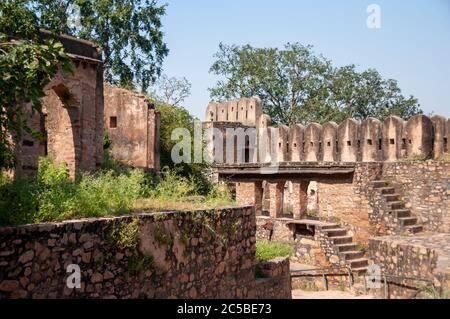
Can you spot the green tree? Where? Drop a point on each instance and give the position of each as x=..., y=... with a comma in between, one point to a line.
x=171, y=90
x=128, y=31
x=298, y=86
x=173, y=117
x=27, y=64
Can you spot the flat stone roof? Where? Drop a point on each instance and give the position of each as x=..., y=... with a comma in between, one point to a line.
x=439, y=242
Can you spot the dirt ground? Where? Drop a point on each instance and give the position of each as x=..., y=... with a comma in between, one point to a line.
x=327, y=294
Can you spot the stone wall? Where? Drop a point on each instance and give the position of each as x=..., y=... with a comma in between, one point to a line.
x=306, y=249
x=339, y=202
x=369, y=140
x=133, y=127
x=207, y=254
x=425, y=189
x=405, y=260
x=276, y=279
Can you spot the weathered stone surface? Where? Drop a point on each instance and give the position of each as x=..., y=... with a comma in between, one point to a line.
x=73, y=115
x=133, y=127
x=176, y=255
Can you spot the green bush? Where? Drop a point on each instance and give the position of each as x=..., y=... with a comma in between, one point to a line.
x=267, y=250
x=53, y=196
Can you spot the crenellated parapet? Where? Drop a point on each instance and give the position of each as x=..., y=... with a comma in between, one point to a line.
x=370, y=140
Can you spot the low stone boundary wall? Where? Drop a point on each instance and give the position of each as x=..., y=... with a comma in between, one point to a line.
x=418, y=257
x=202, y=254
x=276, y=281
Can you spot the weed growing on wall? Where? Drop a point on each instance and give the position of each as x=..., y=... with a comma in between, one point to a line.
x=125, y=234
x=267, y=250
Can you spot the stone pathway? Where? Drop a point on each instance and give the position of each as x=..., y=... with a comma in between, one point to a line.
x=326, y=294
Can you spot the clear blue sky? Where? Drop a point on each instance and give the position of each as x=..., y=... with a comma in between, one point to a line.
x=412, y=45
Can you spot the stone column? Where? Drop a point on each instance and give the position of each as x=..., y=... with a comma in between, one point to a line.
x=300, y=198
x=276, y=199
x=258, y=198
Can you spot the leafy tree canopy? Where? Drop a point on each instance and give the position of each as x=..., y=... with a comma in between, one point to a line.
x=26, y=66
x=171, y=90
x=298, y=86
x=128, y=31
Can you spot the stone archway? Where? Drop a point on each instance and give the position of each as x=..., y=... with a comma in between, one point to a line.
x=62, y=111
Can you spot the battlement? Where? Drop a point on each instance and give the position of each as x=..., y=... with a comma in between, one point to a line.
x=370, y=140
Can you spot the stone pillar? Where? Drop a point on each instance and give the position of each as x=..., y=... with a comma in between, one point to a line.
x=258, y=198
x=276, y=191
x=300, y=198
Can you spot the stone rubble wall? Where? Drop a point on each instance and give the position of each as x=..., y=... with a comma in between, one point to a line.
x=425, y=186
x=306, y=249
x=397, y=257
x=276, y=281
x=207, y=254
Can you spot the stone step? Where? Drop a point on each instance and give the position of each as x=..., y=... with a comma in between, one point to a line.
x=346, y=247
x=352, y=254
x=379, y=184
x=397, y=205
x=401, y=213
x=391, y=197
x=387, y=190
x=359, y=270
x=413, y=228
x=407, y=221
x=335, y=232
x=342, y=239
x=360, y=262
x=330, y=226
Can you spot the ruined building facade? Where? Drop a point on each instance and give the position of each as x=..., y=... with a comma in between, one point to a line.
x=133, y=127
x=72, y=122
x=78, y=109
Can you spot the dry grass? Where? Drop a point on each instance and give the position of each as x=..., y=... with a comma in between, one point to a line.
x=182, y=204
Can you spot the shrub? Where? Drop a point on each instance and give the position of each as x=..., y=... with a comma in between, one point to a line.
x=53, y=196
x=267, y=250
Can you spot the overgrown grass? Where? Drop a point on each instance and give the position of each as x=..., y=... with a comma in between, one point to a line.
x=267, y=250
x=53, y=196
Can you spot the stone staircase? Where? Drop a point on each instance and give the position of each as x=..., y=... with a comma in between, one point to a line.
x=398, y=218
x=341, y=244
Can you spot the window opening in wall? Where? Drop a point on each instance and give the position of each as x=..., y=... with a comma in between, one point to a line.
x=409, y=141
x=113, y=122
x=391, y=141
x=328, y=143
x=320, y=146
x=379, y=144
x=287, y=147
x=349, y=143
x=337, y=146
x=279, y=145
x=303, y=230
x=247, y=150
x=358, y=144
x=369, y=142
x=445, y=145
x=295, y=144
x=27, y=143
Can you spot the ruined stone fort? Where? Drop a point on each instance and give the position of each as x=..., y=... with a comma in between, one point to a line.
x=345, y=196
x=348, y=194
